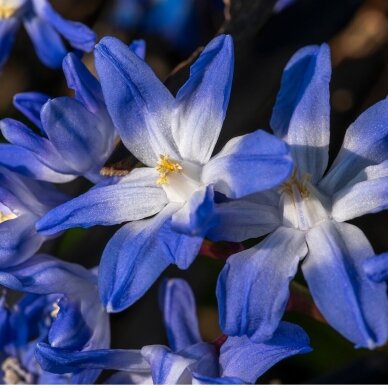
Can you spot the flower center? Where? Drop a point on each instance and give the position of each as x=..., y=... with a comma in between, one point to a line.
x=165, y=167
x=302, y=203
x=8, y=8
x=6, y=214
x=14, y=373
x=55, y=310
x=179, y=179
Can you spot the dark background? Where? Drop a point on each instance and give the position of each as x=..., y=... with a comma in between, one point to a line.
x=264, y=41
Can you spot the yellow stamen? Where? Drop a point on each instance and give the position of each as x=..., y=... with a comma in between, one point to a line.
x=7, y=217
x=166, y=166
x=7, y=11
x=300, y=184
x=55, y=310
x=14, y=373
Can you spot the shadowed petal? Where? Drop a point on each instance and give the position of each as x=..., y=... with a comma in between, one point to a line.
x=241, y=220
x=78, y=34
x=376, y=268
x=301, y=115
x=179, y=311
x=197, y=214
x=30, y=104
x=8, y=28
x=47, y=42
x=253, y=287
x=246, y=360
x=350, y=302
x=365, y=143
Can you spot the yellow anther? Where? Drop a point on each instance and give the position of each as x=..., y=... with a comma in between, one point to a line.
x=166, y=166
x=300, y=184
x=14, y=373
x=55, y=310
x=7, y=11
x=6, y=217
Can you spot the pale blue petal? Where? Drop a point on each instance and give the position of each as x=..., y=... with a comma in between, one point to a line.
x=248, y=164
x=133, y=198
x=139, y=104
x=366, y=193
x=201, y=103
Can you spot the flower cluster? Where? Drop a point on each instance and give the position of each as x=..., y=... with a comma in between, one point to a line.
x=274, y=184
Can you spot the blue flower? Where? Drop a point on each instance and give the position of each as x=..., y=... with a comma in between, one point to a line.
x=22, y=202
x=21, y=328
x=69, y=295
x=76, y=136
x=188, y=359
x=45, y=28
x=174, y=138
x=306, y=217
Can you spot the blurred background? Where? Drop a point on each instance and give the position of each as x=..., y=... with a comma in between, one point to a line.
x=266, y=33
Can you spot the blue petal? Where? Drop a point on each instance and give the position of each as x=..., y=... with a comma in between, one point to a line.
x=253, y=287
x=134, y=197
x=8, y=28
x=246, y=360
x=301, y=115
x=197, y=215
x=180, y=318
x=139, y=104
x=77, y=134
x=27, y=163
x=202, y=101
x=365, y=144
x=79, y=35
x=43, y=274
x=47, y=42
x=20, y=135
x=243, y=219
x=30, y=104
x=81, y=80
x=69, y=329
x=366, y=193
x=376, y=268
x=248, y=164
x=349, y=301
x=139, y=48
x=176, y=368
x=136, y=256
x=18, y=240
x=65, y=361
x=206, y=380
